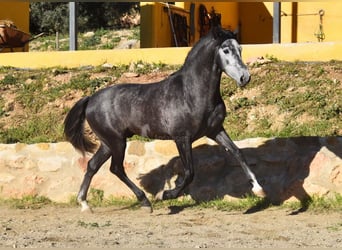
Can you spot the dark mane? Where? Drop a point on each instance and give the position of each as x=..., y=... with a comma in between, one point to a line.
x=216, y=35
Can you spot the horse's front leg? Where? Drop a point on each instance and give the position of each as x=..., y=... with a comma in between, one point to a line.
x=185, y=153
x=224, y=140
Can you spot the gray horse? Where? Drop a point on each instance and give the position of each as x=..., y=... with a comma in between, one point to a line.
x=183, y=107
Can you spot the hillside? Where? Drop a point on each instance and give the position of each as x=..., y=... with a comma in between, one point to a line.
x=283, y=99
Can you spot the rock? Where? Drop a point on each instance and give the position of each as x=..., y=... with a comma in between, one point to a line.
x=107, y=65
x=6, y=178
x=16, y=162
x=257, y=61
x=136, y=148
x=50, y=164
x=43, y=146
x=166, y=147
x=64, y=148
x=133, y=43
x=150, y=163
x=29, y=81
x=285, y=167
x=130, y=74
x=89, y=34
x=325, y=170
x=20, y=146
x=9, y=106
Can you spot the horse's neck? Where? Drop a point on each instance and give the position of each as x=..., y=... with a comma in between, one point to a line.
x=202, y=84
x=204, y=70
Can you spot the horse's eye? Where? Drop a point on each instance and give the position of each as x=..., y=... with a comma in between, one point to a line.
x=226, y=51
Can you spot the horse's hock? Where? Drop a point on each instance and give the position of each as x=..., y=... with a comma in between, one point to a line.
x=286, y=167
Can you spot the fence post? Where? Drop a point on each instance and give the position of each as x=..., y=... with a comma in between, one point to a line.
x=276, y=22
x=72, y=26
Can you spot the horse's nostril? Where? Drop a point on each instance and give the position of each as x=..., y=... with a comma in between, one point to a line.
x=245, y=79
x=249, y=79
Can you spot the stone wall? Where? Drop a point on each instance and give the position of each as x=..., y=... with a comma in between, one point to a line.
x=285, y=167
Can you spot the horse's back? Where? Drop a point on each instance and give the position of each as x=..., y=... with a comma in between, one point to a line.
x=164, y=109
x=122, y=108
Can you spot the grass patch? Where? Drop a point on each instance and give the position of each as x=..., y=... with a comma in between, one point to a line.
x=90, y=225
x=287, y=100
x=36, y=91
x=44, y=128
x=318, y=204
x=84, y=82
x=335, y=227
x=96, y=199
x=322, y=204
x=27, y=202
x=101, y=39
x=234, y=205
x=282, y=100
x=8, y=80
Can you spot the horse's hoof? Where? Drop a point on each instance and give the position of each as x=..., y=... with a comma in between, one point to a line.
x=148, y=209
x=259, y=191
x=85, y=207
x=160, y=195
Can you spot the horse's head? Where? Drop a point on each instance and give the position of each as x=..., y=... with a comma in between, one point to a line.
x=229, y=58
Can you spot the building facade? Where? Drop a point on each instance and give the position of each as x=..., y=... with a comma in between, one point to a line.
x=162, y=25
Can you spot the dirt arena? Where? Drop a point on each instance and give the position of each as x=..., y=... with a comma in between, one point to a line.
x=167, y=227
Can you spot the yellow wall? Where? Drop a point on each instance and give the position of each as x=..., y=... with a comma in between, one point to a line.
x=155, y=27
x=299, y=21
x=228, y=11
x=325, y=51
x=305, y=14
x=18, y=12
x=155, y=30
x=256, y=22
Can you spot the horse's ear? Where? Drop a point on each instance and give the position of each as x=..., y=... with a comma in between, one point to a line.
x=221, y=34
x=217, y=31
x=215, y=20
x=236, y=33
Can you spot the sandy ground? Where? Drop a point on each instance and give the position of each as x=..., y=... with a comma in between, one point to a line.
x=167, y=227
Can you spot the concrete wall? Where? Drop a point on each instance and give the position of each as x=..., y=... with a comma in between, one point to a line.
x=285, y=167
x=288, y=52
x=300, y=21
x=256, y=22
x=155, y=24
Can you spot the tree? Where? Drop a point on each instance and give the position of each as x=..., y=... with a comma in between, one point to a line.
x=51, y=17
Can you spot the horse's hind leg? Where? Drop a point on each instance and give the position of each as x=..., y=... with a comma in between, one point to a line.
x=99, y=158
x=223, y=139
x=117, y=168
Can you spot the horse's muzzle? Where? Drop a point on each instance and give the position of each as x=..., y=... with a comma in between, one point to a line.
x=244, y=80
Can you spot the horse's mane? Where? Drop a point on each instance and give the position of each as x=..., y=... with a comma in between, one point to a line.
x=215, y=35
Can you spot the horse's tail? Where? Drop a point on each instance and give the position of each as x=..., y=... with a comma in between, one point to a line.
x=74, y=127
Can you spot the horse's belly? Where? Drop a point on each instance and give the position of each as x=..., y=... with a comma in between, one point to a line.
x=149, y=131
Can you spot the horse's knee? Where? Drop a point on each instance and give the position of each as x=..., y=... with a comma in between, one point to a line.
x=188, y=176
x=92, y=167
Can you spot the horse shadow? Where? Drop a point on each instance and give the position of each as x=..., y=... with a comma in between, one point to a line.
x=280, y=164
